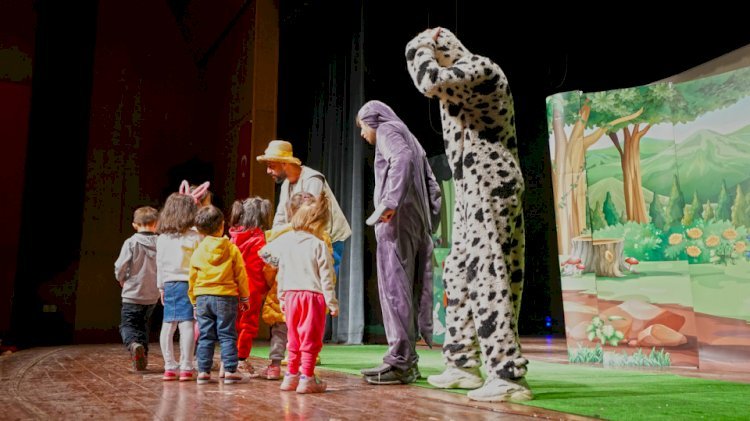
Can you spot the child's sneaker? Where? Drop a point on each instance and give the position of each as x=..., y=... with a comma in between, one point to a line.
x=272, y=372
x=244, y=366
x=221, y=371
x=204, y=378
x=186, y=376
x=169, y=375
x=138, y=354
x=291, y=381
x=232, y=377
x=311, y=385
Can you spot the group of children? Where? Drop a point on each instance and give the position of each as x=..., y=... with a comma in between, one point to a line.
x=182, y=257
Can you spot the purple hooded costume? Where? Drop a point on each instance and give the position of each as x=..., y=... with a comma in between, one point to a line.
x=403, y=182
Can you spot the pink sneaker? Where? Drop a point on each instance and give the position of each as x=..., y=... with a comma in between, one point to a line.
x=186, y=376
x=290, y=382
x=169, y=375
x=272, y=372
x=311, y=385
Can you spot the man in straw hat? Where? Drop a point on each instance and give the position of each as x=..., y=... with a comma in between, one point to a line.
x=295, y=177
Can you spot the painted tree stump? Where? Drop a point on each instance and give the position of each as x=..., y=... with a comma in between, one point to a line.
x=603, y=256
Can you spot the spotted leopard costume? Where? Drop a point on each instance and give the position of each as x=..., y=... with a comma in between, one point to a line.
x=484, y=272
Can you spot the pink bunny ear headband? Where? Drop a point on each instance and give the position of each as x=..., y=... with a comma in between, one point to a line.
x=196, y=194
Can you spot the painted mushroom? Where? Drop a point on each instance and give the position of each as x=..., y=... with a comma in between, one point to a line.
x=632, y=262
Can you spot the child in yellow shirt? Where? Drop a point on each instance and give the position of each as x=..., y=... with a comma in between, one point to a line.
x=217, y=284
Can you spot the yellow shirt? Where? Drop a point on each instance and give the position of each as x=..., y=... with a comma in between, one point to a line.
x=217, y=268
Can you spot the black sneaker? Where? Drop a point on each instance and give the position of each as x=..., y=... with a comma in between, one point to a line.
x=382, y=368
x=394, y=376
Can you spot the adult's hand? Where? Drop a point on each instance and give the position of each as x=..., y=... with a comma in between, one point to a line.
x=387, y=215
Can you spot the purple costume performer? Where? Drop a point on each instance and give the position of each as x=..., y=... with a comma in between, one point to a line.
x=404, y=183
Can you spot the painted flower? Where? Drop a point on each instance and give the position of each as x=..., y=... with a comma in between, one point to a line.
x=713, y=240
x=694, y=233
x=693, y=251
x=740, y=246
x=729, y=233
x=675, y=239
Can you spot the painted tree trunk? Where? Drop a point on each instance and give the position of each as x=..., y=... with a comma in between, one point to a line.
x=635, y=205
x=604, y=256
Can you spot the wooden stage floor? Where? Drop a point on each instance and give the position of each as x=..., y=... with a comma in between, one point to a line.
x=95, y=381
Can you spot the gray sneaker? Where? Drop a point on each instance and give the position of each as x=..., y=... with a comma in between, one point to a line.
x=500, y=390
x=382, y=368
x=138, y=355
x=457, y=378
x=394, y=376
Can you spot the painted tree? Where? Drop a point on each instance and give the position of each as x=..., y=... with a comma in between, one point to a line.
x=597, y=218
x=656, y=214
x=708, y=212
x=610, y=210
x=567, y=120
x=724, y=205
x=626, y=116
x=694, y=213
x=676, y=206
x=739, y=210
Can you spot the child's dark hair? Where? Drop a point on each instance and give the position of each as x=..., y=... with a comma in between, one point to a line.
x=208, y=219
x=178, y=214
x=253, y=212
x=145, y=215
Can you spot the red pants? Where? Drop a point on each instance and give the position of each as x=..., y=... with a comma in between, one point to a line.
x=305, y=313
x=247, y=322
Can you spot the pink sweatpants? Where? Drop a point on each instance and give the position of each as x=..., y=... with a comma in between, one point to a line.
x=305, y=313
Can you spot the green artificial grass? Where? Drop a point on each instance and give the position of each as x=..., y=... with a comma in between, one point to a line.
x=583, y=390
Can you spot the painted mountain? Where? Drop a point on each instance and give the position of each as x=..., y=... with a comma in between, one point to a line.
x=703, y=160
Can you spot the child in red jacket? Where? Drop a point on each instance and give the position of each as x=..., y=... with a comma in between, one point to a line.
x=249, y=219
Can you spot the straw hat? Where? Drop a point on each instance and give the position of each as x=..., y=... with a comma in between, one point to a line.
x=279, y=151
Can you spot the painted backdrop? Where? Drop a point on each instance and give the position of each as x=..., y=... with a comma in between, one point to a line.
x=652, y=206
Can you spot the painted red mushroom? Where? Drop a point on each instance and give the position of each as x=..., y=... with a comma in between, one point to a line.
x=572, y=261
x=632, y=262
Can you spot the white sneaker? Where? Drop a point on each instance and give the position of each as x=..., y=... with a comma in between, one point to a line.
x=291, y=381
x=500, y=390
x=457, y=378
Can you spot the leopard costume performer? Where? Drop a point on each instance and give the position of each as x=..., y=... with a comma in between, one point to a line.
x=483, y=274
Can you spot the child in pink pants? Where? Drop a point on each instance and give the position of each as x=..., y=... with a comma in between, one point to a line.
x=305, y=289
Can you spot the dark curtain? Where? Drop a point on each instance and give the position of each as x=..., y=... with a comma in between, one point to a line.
x=326, y=74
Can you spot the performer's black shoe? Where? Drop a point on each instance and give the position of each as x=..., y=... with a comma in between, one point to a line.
x=394, y=376
x=382, y=368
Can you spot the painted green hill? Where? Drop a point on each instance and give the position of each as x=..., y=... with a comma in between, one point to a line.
x=605, y=163
x=703, y=160
x=598, y=191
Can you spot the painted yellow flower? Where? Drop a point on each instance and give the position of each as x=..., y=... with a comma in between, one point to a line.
x=729, y=233
x=713, y=240
x=694, y=233
x=675, y=239
x=693, y=251
x=740, y=246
